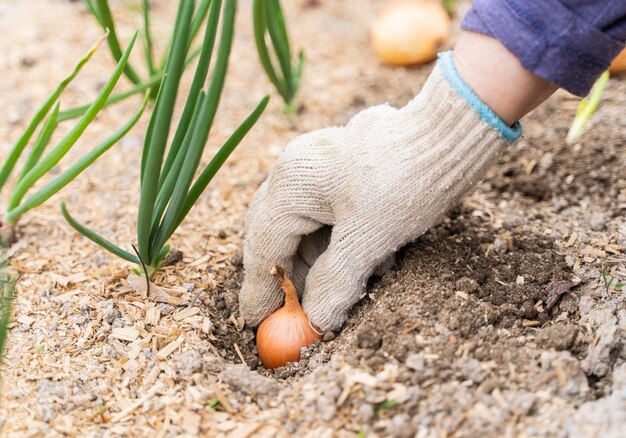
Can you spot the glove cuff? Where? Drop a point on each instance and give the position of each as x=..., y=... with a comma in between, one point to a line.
x=449, y=71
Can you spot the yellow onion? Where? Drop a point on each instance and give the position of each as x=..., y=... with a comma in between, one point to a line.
x=281, y=336
x=619, y=64
x=410, y=31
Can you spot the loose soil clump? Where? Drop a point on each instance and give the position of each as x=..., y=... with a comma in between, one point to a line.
x=497, y=322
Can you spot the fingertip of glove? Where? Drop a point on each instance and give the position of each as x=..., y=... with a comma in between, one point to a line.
x=323, y=320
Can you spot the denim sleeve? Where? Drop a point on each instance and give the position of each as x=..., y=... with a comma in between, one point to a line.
x=568, y=42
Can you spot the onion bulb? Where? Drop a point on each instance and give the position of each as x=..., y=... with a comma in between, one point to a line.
x=281, y=336
x=410, y=31
x=619, y=64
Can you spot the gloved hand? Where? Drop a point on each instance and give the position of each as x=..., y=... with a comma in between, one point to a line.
x=380, y=182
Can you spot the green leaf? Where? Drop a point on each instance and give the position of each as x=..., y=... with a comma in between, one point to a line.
x=200, y=134
x=450, y=6
x=197, y=83
x=7, y=293
x=147, y=37
x=41, y=112
x=165, y=192
x=260, y=26
x=198, y=18
x=389, y=404
x=97, y=239
x=72, y=113
x=164, y=251
x=297, y=74
x=50, y=160
x=278, y=34
x=220, y=158
x=51, y=188
x=158, y=129
x=106, y=21
x=586, y=109
x=41, y=142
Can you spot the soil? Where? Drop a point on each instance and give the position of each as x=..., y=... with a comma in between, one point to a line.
x=497, y=322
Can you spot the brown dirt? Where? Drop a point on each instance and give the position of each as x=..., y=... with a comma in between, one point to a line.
x=455, y=340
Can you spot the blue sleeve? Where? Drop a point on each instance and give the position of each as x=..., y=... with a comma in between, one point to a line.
x=568, y=42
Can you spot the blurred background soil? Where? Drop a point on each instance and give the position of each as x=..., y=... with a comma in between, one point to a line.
x=495, y=323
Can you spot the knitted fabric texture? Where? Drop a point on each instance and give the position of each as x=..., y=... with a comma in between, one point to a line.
x=380, y=182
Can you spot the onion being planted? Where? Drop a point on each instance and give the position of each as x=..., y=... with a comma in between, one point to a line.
x=410, y=31
x=281, y=336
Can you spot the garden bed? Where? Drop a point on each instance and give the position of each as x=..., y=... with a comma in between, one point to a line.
x=458, y=338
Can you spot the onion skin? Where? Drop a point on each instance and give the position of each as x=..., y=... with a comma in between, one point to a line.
x=410, y=32
x=281, y=336
x=619, y=64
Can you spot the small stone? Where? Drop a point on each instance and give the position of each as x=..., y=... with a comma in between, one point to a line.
x=365, y=413
x=511, y=221
x=329, y=336
x=558, y=336
x=368, y=337
x=190, y=363
x=576, y=385
x=165, y=308
x=416, y=362
x=240, y=378
x=471, y=369
x=546, y=161
x=326, y=407
x=110, y=313
x=374, y=396
x=598, y=220
x=401, y=427
x=50, y=388
x=521, y=402
x=332, y=391
x=466, y=284
x=500, y=246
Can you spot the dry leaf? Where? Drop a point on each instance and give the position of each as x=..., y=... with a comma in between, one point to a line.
x=556, y=291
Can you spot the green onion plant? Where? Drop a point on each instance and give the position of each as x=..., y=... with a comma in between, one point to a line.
x=7, y=292
x=268, y=20
x=39, y=163
x=168, y=183
x=586, y=108
x=154, y=70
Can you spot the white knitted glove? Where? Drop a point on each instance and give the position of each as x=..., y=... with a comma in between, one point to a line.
x=380, y=182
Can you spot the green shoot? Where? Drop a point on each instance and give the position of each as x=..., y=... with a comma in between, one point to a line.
x=389, y=404
x=18, y=147
x=168, y=184
x=7, y=292
x=78, y=111
x=450, y=6
x=147, y=37
x=610, y=281
x=100, y=9
x=102, y=13
x=586, y=108
x=268, y=19
x=38, y=165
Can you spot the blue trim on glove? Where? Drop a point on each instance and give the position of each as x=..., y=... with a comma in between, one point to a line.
x=509, y=133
